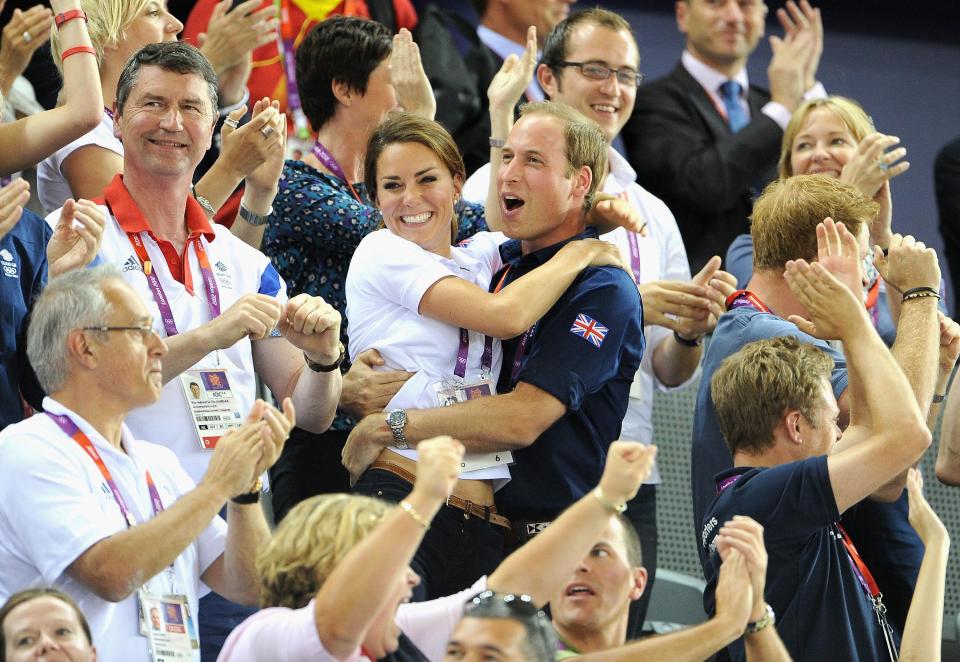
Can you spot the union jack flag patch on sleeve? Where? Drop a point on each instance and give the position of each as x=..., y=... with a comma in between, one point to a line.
x=589, y=329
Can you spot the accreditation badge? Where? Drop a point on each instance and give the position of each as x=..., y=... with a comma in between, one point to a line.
x=213, y=404
x=167, y=623
x=450, y=392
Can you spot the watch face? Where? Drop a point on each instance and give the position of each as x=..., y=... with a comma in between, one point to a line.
x=396, y=418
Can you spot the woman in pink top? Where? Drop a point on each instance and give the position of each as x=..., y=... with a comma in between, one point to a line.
x=337, y=571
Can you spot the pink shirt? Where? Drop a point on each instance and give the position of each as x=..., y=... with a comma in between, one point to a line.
x=280, y=634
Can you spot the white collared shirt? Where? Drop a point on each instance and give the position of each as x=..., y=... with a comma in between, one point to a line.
x=55, y=504
x=710, y=80
x=662, y=257
x=504, y=47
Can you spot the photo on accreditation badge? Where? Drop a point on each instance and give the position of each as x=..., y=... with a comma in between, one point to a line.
x=173, y=617
x=215, y=380
x=478, y=391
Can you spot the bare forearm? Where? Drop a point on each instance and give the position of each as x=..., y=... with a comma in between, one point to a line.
x=501, y=121
x=116, y=566
x=315, y=398
x=527, y=299
x=673, y=363
x=247, y=533
x=354, y=593
x=483, y=425
x=923, y=630
x=218, y=183
x=917, y=348
x=689, y=645
x=948, y=457
x=185, y=350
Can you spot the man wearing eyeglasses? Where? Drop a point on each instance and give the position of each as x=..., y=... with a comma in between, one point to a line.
x=115, y=521
x=706, y=140
x=591, y=62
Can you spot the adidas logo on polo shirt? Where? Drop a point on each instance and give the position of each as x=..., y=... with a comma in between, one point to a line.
x=132, y=264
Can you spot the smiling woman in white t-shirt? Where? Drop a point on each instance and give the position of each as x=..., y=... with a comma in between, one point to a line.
x=425, y=306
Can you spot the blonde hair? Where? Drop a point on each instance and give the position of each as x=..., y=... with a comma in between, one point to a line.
x=107, y=21
x=785, y=217
x=584, y=142
x=310, y=542
x=754, y=388
x=849, y=111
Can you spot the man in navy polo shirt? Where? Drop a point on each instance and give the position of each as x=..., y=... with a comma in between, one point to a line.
x=565, y=382
x=784, y=228
x=796, y=474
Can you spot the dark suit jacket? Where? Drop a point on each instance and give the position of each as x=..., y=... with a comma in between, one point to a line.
x=684, y=153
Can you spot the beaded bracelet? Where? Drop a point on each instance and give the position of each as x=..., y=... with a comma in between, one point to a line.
x=921, y=295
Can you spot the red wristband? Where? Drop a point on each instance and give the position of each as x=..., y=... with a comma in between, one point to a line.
x=77, y=49
x=63, y=17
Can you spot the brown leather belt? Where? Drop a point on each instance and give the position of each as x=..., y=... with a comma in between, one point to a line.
x=487, y=513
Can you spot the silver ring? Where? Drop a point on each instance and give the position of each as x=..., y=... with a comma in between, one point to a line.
x=267, y=131
x=26, y=37
x=882, y=165
x=232, y=123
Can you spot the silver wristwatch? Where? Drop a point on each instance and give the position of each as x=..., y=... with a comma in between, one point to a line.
x=252, y=218
x=397, y=419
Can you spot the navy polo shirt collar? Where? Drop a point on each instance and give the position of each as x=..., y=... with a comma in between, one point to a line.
x=512, y=254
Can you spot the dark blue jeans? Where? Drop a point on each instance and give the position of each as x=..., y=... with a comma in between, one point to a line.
x=456, y=551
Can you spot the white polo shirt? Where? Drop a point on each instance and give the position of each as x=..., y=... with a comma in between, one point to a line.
x=55, y=504
x=238, y=269
x=662, y=257
x=52, y=186
x=388, y=276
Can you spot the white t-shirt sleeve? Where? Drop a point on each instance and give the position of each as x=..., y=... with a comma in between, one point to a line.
x=430, y=624
x=279, y=635
x=475, y=188
x=673, y=258
x=55, y=512
x=387, y=266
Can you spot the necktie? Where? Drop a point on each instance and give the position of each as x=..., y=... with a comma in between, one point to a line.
x=736, y=115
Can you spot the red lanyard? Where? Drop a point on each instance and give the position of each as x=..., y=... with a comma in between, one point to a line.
x=70, y=429
x=746, y=299
x=863, y=573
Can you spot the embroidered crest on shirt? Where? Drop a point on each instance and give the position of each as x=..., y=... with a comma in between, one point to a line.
x=8, y=264
x=589, y=329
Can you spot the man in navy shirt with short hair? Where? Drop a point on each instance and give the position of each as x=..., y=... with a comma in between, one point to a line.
x=796, y=474
x=784, y=228
x=565, y=382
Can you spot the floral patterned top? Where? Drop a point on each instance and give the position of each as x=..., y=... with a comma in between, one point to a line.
x=316, y=226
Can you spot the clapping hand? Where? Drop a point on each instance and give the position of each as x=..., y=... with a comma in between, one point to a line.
x=414, y=93
x=515, y=75
x=835, y=313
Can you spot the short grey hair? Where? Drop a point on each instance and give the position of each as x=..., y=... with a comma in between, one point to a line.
x=175, y=56
x=70, y=301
